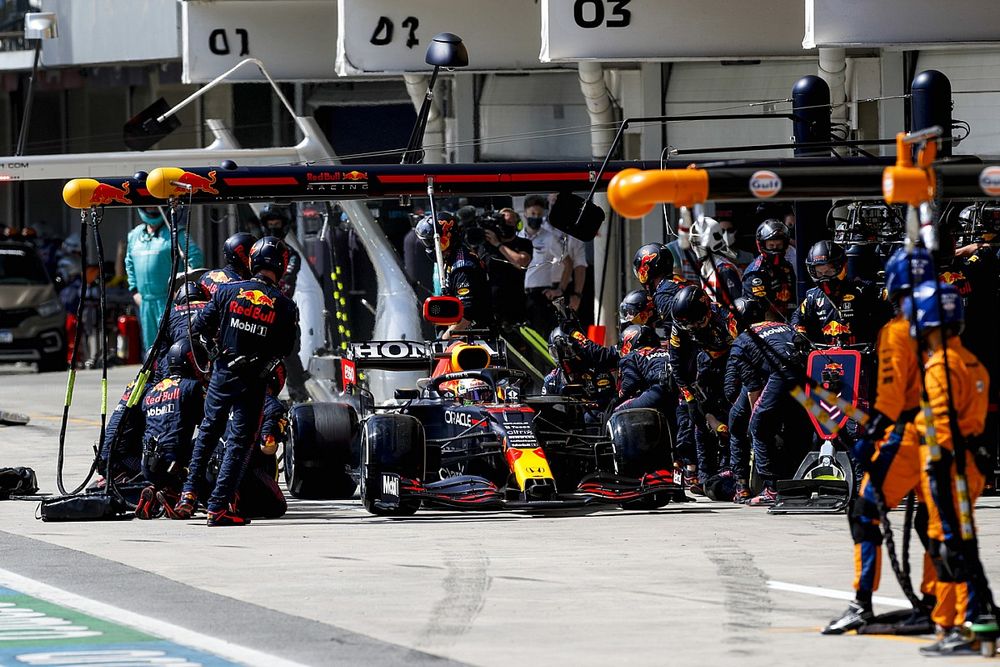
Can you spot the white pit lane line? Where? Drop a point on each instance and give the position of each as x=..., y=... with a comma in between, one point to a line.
x=834, y=594
x=152, y=626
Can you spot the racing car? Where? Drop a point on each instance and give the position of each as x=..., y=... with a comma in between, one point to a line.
x=466, y=437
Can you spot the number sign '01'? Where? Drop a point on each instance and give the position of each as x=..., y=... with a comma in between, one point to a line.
x=293, y=38
x=665, y=29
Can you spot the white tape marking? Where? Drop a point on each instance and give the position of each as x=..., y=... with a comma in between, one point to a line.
x=834, y=594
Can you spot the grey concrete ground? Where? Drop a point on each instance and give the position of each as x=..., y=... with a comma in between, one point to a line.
x=329, y=584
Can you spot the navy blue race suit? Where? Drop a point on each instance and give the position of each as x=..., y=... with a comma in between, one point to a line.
x=255, y=326
x=698, y=363
x=177, y=330
x=850, y=314
x=771, y=280
x=259, y=493
x=596, y=358
x=467, y=280
x=180, y=315
x=127, y=459
x=173, y=407
x=663, y=298
x=770, y=372
x=211, y=280
x=643, y=381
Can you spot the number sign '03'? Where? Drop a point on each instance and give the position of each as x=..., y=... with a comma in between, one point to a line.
x=665, y=29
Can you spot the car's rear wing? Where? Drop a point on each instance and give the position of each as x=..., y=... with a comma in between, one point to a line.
x=408, y=355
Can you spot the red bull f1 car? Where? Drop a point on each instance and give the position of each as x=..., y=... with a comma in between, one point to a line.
x=467, y=438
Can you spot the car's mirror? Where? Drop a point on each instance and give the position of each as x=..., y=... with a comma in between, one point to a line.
x=443, y=310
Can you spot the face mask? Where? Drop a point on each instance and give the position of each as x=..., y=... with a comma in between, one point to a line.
x=534, y=223
x=730, y=238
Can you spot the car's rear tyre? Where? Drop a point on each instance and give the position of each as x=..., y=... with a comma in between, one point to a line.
x=391, y=445
x=641, y=444
x=321, y=451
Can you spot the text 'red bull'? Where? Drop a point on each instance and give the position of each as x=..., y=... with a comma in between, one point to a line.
x=260, y=308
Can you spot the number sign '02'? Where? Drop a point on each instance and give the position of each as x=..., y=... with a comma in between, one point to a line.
x=388, y=36
x=665, y=29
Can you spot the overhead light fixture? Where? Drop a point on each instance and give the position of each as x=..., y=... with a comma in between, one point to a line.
x=445, y=50
x=40, y=25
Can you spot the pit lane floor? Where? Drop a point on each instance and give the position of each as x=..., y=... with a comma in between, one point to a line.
x=703, y=583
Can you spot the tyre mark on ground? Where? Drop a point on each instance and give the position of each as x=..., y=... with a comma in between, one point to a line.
x=747, y=598
x=465, y=586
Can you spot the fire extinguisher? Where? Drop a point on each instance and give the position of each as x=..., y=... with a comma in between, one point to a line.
x=128, y=339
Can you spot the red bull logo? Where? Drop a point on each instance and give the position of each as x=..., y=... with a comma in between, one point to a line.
x=108, y=194
x=642, y=273
x=256, y=297
x=951, y=277
x=166, y=383
x=167, y=182
x=218, y=276
x=446, y=227
x=835, y=328
x=356, y=176
x=197, y=183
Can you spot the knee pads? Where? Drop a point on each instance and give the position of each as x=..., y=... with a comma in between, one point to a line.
x=865, y=532
x=949, y=561
x=864, y=522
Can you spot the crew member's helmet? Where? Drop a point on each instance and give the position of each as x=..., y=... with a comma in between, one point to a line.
x=561, y=346
x=905, y=269
x=936, y=305
x=188, y=292
x=709, y=237
x=650, y=262
x=185, y=360
x=692, y=308
x=447, y=227
x=826, y=262
x=772, y=230
x=237, y=251
x=636, y=337
x=749, y=311
x=635, y=308
x=269, y=253
x=276, y=220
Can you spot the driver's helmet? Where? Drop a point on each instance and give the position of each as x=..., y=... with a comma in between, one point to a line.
x=473, y=391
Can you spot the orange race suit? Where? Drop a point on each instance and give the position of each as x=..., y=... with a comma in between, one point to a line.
x=894, y=468
x=964, y=388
